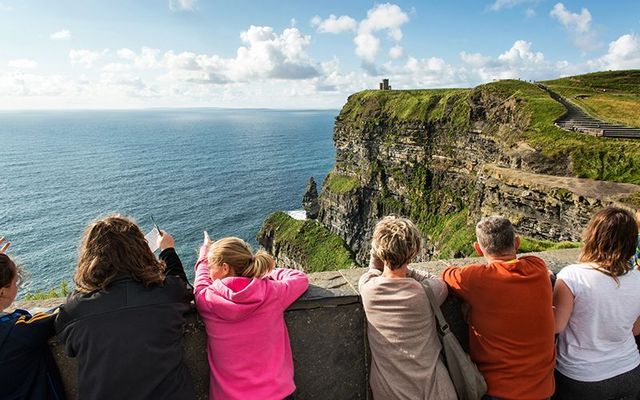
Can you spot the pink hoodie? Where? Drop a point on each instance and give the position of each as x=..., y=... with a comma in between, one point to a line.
x=247, y=340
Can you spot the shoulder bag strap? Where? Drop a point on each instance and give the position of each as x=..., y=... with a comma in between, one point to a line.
x=443, y=326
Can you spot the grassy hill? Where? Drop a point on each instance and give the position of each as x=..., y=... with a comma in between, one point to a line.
x=591, y=157
x=612, y=96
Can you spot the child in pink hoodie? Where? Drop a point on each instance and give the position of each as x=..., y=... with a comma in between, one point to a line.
x=241, y=298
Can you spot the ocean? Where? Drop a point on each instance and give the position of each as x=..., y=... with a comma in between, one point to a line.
x=218, y=170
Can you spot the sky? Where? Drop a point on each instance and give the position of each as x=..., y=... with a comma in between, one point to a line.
x=293, y=54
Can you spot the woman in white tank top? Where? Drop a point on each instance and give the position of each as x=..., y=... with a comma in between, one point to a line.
x=597, y=309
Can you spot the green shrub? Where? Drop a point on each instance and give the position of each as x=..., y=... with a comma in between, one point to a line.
x=62, y=291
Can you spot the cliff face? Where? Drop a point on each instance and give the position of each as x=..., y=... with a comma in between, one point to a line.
x=435, y=167
x=445, y=158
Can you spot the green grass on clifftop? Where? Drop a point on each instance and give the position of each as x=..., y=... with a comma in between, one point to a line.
x=52, y=293
x=528, y=245
x=340, y=184
x=408, y=105
x=612, y=96
x=315, y=247
x=592, y=157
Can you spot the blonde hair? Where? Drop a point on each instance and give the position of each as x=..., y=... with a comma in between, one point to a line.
x=113, y=247
x=396, y=241
x=239, y=256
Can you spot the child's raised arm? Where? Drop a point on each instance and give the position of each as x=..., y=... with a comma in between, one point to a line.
x=202, y=280
x=293, y=284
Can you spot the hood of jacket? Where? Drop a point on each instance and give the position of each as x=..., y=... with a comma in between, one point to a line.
x=235, y=298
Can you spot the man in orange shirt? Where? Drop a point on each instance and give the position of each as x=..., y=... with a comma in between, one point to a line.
x=511, y=326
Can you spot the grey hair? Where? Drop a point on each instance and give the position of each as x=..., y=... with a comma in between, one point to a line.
x=496, y=235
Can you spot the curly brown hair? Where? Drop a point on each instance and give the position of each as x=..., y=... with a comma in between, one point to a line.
x=114, y=247
x=610, y=241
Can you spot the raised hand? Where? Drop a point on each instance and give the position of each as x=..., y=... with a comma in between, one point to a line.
x=165, y=241
x=3, y=248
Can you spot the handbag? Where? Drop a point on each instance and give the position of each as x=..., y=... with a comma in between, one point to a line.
x=467, y=379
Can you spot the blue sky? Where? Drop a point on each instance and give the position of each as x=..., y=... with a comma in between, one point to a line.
x=293, y=54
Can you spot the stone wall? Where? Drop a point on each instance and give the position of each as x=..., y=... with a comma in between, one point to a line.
x=327, y=327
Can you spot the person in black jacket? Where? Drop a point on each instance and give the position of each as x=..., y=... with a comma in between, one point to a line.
x=27, y=369
x=125, y=320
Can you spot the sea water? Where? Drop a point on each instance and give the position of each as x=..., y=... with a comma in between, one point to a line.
x=218, y=170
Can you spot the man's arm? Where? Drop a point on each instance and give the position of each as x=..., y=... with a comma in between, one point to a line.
x=459, y=280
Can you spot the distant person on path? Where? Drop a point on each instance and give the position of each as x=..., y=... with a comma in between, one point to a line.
x=511, y=329
x=402, y=330
x=124, y=322
x=241, y=297
x=27, y=368
x=597, y=313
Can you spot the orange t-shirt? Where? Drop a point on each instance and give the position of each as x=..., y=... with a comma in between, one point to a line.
x=511, y=325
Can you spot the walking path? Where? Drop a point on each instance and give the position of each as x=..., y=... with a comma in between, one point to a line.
x=577, y=120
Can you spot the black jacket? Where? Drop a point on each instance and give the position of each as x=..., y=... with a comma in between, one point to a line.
x=27, y=369
x=128, y=338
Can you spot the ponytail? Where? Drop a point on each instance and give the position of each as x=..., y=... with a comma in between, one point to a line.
x=239, y=256
x=261, y=264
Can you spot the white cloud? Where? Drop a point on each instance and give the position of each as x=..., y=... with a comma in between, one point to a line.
x=623, y=53
x=580, y=23
x=126, y=54
x=147, y=58
x=116, y=67
x=367, y=46
x=498, y=5
x=5, y=8
x=383, y=17
x=423, y=73
x=269, y=55
x=518, y=62
x=530, y=12
x=85, y=58
x=62, y=34
x=521, y=52
x=333, y=24
x=387, y=17
x=22, y=63
x=182, y=5
x=578, y=26
x=396, y=52
x=474, y=59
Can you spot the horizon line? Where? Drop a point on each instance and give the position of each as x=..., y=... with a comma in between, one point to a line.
x=10, y=110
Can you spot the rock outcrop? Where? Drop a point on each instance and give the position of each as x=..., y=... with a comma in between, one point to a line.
x=310, y=200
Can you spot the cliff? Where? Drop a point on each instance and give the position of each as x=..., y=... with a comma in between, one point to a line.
x=447, y=157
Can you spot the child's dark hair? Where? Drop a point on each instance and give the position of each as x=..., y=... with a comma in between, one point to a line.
x=8, y=270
